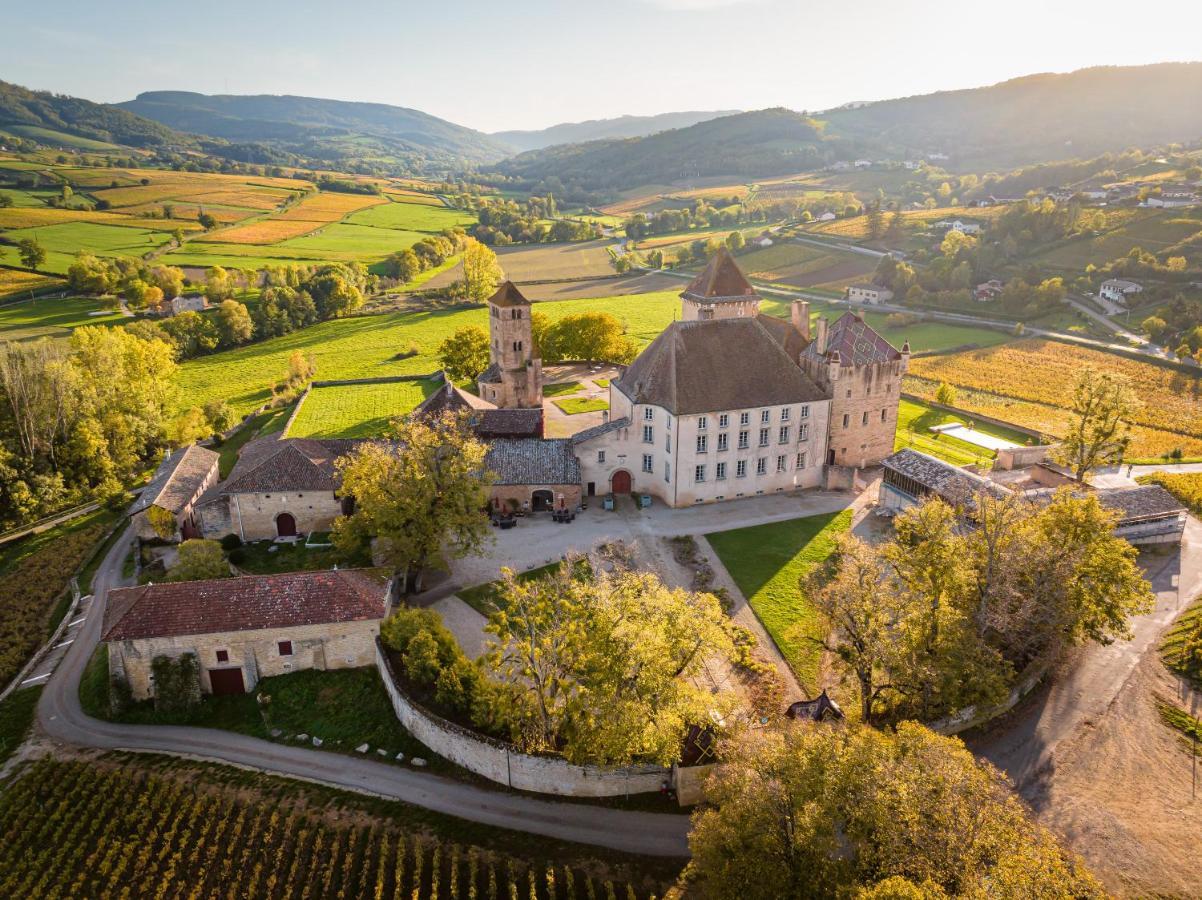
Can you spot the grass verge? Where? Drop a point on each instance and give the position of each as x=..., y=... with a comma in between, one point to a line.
x=566, y=387
x=486, y=598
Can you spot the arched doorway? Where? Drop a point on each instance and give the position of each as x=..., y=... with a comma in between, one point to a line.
x=620, y=482
x=285, y=525
x=542, y=500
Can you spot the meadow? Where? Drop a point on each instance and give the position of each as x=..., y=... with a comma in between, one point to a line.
x=52, y=317
x=409, y=216
x=357, y=410
x=544, y=262
x=63, y=241
x=1152, y=229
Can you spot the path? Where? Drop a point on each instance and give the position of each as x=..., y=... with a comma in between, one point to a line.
x=49, y=522
x=61, y=718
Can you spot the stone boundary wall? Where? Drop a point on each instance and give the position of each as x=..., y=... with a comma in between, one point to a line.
x=503, y=763
x=971, y=716
x=976, y=417
x=379, y=379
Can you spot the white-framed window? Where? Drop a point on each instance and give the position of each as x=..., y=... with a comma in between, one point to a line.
x=805, y=412
x=785, y=413
x=744, y=418
x=723, y=420
x=699, y=473
x=766, y=416
x=723, y=441
x=600, y=456
x=702, y=443
x=801, y=460
x=782, y=463
x=648, y=414
x=647, y=460
x=744, y=439
x=720, y=471
x=741, y=469
x=803, y=432
x=667, y=471
x=648, y=434
x=702, y=423
x=763, y=437
x=761, y=466
x=784, y=434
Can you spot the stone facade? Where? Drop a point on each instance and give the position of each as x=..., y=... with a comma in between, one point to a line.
x=177, y=487
x=514, y=378
x=256, y=516
x=528, y=497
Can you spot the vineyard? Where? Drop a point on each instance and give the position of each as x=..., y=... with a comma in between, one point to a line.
x=1185, y=486
x=1030, y=383
x=76, y=830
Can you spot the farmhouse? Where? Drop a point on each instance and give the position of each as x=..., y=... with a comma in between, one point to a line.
x=186, y=303
x=988, y=291
x=957, y=225
x=176, y=487
x=1117, y=290
x=243, y=629
x=869, y=293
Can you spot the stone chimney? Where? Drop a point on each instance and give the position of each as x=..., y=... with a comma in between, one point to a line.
x=800, y=313
x=821, y=336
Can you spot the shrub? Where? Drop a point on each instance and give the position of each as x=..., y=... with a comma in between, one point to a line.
x=231, y=542
x=423, y=664
x=176, y=682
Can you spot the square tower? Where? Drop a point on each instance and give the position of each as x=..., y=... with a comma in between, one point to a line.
x=514, y=378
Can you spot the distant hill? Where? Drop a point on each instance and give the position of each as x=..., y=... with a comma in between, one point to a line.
x=749, y=144
x=599, y=129
x=335, y=131
x=23, y=108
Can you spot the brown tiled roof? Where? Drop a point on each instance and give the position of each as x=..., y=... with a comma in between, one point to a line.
x=177, y=480
x=450, y=397
x=856, y=343
x=716, y=364
x=287, y=464
x=721, y=278
x=508, y=295
x=515, y=423
x=247, y=603
x=783, y=332
x=1149, y=501
x=533, y=461
x=491, y=375
x=956, y=485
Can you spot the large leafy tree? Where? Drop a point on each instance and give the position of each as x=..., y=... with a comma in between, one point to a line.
x=481, y=272
x=1102, y=406
x=464, y=355
x=587, y=335
x=829, y=812
x=199, y=560
x=419, y=497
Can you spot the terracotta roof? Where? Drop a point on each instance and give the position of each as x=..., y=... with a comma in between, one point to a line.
x=533, y=461
x=720, y=279
x=856, y=343
x=287, y=464
x=248, y=603
x=177, y=480
x=716, y=364
x=508, y=295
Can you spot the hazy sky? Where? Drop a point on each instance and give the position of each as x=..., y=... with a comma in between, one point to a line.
x=499, y=64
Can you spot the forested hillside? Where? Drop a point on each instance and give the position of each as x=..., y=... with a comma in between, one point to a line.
x=601, y=129
x=22, y=108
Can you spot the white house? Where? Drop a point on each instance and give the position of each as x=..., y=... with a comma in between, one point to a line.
x=988, y=291
x=827, y=216
x=863, y=163
x=957, y=225
x=188, y=303
x=869, y=293
x=1117, y=290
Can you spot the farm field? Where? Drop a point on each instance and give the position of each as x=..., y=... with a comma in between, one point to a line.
x=86, y=829
x=62, y=242
x=807, y=266
x=52, y=317
x=17, y=281
x=767, y=562
x=357, y=410
x=914, y=423
x=544, y=262
x=1152, y=229
x=856, y=228
x=1030, y=383
x=32, y=217
x=408, y=216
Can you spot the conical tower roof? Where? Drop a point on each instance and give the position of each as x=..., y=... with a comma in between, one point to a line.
x=721, y=278
x=508, y=295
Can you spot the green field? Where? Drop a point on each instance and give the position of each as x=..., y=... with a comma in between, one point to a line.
x=1152, y=229
x=49, y=317
x=349, y=242
x=411, y=217
x=64, y=240
x=914, y=423
x=574, y=406
x=357, y=410
x=768, y=562
x=58, y=137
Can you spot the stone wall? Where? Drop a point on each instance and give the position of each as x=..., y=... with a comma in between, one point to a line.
x=521, y=496
x=864, y=401
x=504, y=764
x=253, y=516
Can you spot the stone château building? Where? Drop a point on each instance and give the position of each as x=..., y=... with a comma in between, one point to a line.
x=514, y=377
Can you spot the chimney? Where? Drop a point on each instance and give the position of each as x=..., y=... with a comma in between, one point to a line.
x=820, y=337
x=800, y=311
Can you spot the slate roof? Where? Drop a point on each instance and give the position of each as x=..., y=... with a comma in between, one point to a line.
x=943, y=479
x=177, y=480
x=533, y=461
x=783, y=332
x=721, y=279
x=491, y=375
x=450, y=397
x=856, y=342
x=1148, y=501
x=508, y=295
x=487, y=421
x=287, y=464
x=716, y=364
x=247, y=603
x=597, y=430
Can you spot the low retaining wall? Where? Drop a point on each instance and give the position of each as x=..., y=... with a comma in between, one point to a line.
x=504, y=764
x=971, y=716
x=975, y=416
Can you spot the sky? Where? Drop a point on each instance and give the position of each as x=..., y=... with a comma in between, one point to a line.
x=509, y=64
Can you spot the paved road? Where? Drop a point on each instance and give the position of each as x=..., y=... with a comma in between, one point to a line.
x=60, y=716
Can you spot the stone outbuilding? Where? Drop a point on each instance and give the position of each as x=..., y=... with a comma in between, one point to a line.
x=533, y=474
x=247, y=628
x=176, y=488
x=487, y=420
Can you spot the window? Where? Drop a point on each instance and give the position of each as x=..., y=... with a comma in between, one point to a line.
x=803, y=432
x=702, y=443
x=720, y=472
x=846, y=420
x=744, y=437
x=723, y=420
x=864, y=418
x=668, y=442
x=761, y=466
x=285, y=648
x=784, y=414
x=763, y=437
x=741, y=469
x=782, y=463
x=667, y=471
x=784, y=434
x=646, y=462
x=744, y=418
x=723, y=441
x=805, y=412
x=801, y=460
x=600, y=456
x=223, y=656
x=649, y=433
x=766, y=416
x=884, y=415
x=699, y=473
x=702, y=423
x=648, y=414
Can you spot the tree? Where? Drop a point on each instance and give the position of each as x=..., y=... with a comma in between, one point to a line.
x=233, y=323
x=189, y=427
x=168, y=279
x=300, y=369
x=464, y=355
x=220, y=416
x=822, y=812
x=207, y=221
x=162, y=521
x=6, y=201
x=191, y=333
x=589, y=335
x=735, y=241
x=218, y=284
x=481, y=272
x=334, y=293
x=945, y=394
x=1102, y=405
x=31, y=253
x=199, y=560
x=876, y=221
x=420, y=498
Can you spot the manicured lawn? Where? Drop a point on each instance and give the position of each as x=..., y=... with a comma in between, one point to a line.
x=52, y=317
x=16, y=716
x=914, y=423
x=566, y=387
x=768, y=562
x=267, y=558
x=573, y=406
x=600, y=382
x=357, y=410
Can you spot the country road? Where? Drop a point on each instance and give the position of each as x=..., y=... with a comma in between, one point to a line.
x=61, y=717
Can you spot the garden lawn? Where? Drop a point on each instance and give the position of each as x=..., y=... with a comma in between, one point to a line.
x=914, y=423
x=52, y=317
x=486, y=598
x=767, y=562
x=574, y=406
x=357, y=410
x=556, y=390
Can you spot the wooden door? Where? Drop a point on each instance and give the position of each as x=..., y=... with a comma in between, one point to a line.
x=226, y=682
x=285, y=525
x=621, y=482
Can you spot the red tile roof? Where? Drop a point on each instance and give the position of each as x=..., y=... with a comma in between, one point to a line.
x=246, y=603
x=720, y=278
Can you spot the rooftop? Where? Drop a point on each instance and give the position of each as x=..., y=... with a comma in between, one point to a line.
x=721, y=279
x=950, y=482
x=287, y=464
x=533, y=461
x=247, y=603
x=508, y=295
x=1148, y=501
x=177, y=480
x=856, y=343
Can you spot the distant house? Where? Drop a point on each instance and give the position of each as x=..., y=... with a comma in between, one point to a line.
x=869, y=293
x=839, y=165
x=827, y=216
x=863, y=163
x=186, y=303
x=1148, y=514
x=1172, y=197
x=911, y=164
x=247, y=628
x=177, y=486
x=988, y=291
x=938, y=156
x=763, y=241
x=1117, y=290
x=957, y=225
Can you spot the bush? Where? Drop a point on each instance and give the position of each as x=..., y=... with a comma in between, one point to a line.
x=231, y=542
x=237, y=556
x=176, y=682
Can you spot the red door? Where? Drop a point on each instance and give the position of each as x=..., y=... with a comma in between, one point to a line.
x=285, y=525
x=621, y=482
x=226, y=682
